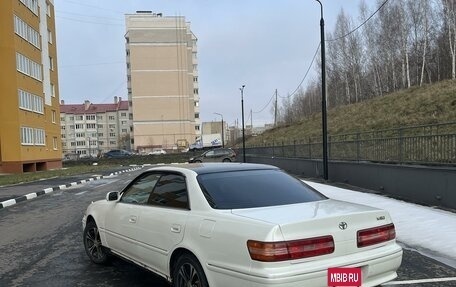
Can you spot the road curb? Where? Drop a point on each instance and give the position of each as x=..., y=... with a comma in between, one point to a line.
x=11, y=202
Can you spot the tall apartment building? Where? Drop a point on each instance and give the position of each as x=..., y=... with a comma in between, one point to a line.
x=162, y=77
x=29, y=101
x=89, y=130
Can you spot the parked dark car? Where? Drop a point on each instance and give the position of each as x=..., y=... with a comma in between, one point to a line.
x=215, y=155
x=117, y=153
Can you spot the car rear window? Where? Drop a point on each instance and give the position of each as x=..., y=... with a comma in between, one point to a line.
x=254, y=188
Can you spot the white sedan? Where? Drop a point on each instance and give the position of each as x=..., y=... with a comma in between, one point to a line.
x=238, y=225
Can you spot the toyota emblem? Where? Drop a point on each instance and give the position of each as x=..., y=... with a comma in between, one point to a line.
x=343, y=225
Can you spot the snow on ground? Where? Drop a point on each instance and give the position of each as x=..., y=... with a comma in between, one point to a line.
x=417, y=226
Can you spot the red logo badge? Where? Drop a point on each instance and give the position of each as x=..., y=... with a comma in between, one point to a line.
x=344, y=277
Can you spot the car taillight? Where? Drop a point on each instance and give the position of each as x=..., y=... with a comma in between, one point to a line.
x=289, y=250
x=376, y=235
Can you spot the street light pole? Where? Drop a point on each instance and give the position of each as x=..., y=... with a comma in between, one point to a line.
x=223, y=135
x=323, y=95
x=243, y=132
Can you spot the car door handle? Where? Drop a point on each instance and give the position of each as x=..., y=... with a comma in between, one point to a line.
x=176, y=228
x=132, y=219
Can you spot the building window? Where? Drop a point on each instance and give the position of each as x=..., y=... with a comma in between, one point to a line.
x=62, y=119
x=72, y=118
x=80, y=118
x=112, y=118
x=100, y=126
x=111, y=126
x=72, y=143
x=80, y=135
x=63, y=136
x=54, y=115
x=32, y=5
x=124, y=131
x=197, y=128
x=26, y=32
x=30, y=102
x=123, y=115
x=197, y=104
x=54, y=143
x=91, y=126
x=79, y=126
x=100, y=143
x=195, y=91
x=123, y=122
x=48, y=9
x=39, y=137
x=197, y=115
x=195, y=79
x=63, y=128
x=90, y=117
x=100, y=117
x=26, y=136
x=51, y=63
x=28, y=67
x=80, y=143
x=50, y=36
x=112, y=142
x=113, y=135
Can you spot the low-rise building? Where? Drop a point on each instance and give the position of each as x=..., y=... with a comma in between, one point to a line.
x=89, y=130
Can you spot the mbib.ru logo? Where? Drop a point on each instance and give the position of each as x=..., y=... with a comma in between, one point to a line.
x=344, y=277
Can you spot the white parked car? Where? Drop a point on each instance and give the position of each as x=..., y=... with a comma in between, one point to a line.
x=157, y=152
x=235, y=224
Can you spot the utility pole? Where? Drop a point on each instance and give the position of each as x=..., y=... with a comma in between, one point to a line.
x=243, y=126
x=275, y=109
x=323, y=95
x=251, y=122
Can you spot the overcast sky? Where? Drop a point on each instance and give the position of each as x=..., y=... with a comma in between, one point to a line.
x=265, y=45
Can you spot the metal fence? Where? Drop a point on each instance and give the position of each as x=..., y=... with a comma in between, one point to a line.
x=431, y=144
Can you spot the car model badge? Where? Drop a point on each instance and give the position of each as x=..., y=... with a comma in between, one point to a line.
x=343, y=225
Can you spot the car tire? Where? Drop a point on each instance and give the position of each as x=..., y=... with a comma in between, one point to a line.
x=226, y=160
x=92, y=244
x=188, y=272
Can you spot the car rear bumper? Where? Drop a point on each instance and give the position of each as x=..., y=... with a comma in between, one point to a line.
x=376, y=269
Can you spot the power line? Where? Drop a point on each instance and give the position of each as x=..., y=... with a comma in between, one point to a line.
x=93, y=64
x=89, y=16
x=265, y=105
x=90, y=22
x=96, y=7
x=307, y=72
x=362, y=24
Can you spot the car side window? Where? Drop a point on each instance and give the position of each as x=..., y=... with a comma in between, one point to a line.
x=170, y=191
x=139, y=191
x=210, y=153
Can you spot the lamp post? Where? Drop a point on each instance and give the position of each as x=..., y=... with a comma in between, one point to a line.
x=223, y=134
x=243, y=132
x=323, y=95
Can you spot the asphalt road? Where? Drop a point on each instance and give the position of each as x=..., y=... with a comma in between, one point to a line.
x=41, y=245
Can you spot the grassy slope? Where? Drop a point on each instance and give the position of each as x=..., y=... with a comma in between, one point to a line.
x=429, y=104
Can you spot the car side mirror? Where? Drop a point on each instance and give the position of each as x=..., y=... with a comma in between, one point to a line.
x=112, y=196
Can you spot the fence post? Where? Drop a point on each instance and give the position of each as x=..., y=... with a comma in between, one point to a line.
x=294, y=148
x=401, y=139
x=310, y=148
x=357, y=146
x=283, y=149
x=329, y=147
x=273, y=152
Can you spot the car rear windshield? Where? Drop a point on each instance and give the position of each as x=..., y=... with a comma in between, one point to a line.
x=254, y=188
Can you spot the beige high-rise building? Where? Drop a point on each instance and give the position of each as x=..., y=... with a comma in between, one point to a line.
x=162, y=76
x=29, y=101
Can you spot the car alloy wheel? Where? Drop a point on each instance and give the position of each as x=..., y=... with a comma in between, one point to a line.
x=92, y=244
x=189, y=273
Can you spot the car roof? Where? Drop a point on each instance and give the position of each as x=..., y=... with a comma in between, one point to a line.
x=204, y=168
